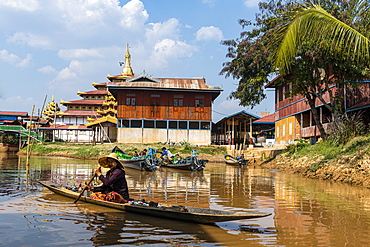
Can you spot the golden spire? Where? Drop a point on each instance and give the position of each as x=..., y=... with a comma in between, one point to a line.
x=127, y=70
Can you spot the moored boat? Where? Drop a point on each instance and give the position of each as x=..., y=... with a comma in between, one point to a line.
x=175, y=212
x=230, y=160
x=191, y=163
x=138, y=163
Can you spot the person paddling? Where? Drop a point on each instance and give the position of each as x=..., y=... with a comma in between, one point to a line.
x=114, y=186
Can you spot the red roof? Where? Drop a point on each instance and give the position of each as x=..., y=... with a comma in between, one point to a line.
x=84, y=102
x=95, y=92
x=267, y=119
x=13, y=113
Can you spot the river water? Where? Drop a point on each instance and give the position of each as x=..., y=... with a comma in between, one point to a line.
x=305, y=212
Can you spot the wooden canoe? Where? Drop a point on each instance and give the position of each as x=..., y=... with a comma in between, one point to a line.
x=230, y=160
x=174, y=212
x=138, y=164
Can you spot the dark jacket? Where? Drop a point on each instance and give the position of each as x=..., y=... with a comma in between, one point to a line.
x=114, y=180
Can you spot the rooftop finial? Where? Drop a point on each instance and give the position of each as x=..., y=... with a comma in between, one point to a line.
x=127, y=70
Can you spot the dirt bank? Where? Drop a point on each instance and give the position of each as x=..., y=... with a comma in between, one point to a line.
x=353, y=169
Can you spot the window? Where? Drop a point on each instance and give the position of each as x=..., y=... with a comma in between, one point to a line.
x=183, y=125
x=155, y=96
x=177, y=102
x=136, y=123
x=148, y=123
x=194, y=125
x=172, y=125
x=130, y=101
x=199, y=103
x=125, y=123
x=161, y=124
x=205, y=125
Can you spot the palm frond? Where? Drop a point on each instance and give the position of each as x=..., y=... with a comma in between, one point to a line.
x=316, y=25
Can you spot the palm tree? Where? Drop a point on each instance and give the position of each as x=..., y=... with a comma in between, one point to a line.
x=317, y=25
x=308, y=35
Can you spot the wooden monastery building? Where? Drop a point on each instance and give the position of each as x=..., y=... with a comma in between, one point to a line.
x=154, y=110
x=137, y=109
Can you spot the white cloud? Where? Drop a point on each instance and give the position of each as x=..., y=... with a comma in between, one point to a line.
x=166, y=51
x=78, y=53
x=25, y=62
x=47, y=70
x=29, y=39
x=29, y=5
x=65, y=74
x=134, y=15
x=14, y=59
x=159, y=31
x=209, y=33
x=17, y=103
x=211, y=3
x=251, y=3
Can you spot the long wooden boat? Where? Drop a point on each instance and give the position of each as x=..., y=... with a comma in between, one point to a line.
x=138, y=164
x=175, y=212
x=190, y=166
x=239, y=161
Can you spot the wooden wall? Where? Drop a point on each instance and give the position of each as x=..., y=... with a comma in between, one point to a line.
x=160, y=105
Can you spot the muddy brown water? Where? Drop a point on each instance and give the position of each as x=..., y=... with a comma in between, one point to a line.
x=305, y=212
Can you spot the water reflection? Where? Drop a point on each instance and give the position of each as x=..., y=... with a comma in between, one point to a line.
x=305, y=212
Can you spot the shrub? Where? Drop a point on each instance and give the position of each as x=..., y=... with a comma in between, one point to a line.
x=346, y=128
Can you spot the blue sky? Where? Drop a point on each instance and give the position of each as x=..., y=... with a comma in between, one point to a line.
x=59, y=47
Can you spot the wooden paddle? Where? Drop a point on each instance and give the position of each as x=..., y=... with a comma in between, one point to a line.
x=78, y=198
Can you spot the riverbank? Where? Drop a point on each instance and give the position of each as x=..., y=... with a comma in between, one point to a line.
x=348, y=164
x=91, y=152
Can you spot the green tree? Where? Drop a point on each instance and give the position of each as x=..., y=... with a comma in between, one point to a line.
x=300, y=41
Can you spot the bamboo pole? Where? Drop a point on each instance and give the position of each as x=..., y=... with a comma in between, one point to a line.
x=28, y=141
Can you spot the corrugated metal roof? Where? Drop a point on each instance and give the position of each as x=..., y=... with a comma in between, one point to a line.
x=167, y=83
x=240, y=115
x=146, y=81
x=267, y=119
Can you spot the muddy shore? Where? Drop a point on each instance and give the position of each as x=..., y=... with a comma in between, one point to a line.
x=353, y=169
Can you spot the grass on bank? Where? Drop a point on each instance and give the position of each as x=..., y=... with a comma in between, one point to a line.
x=323, y=152
x=89, y=151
